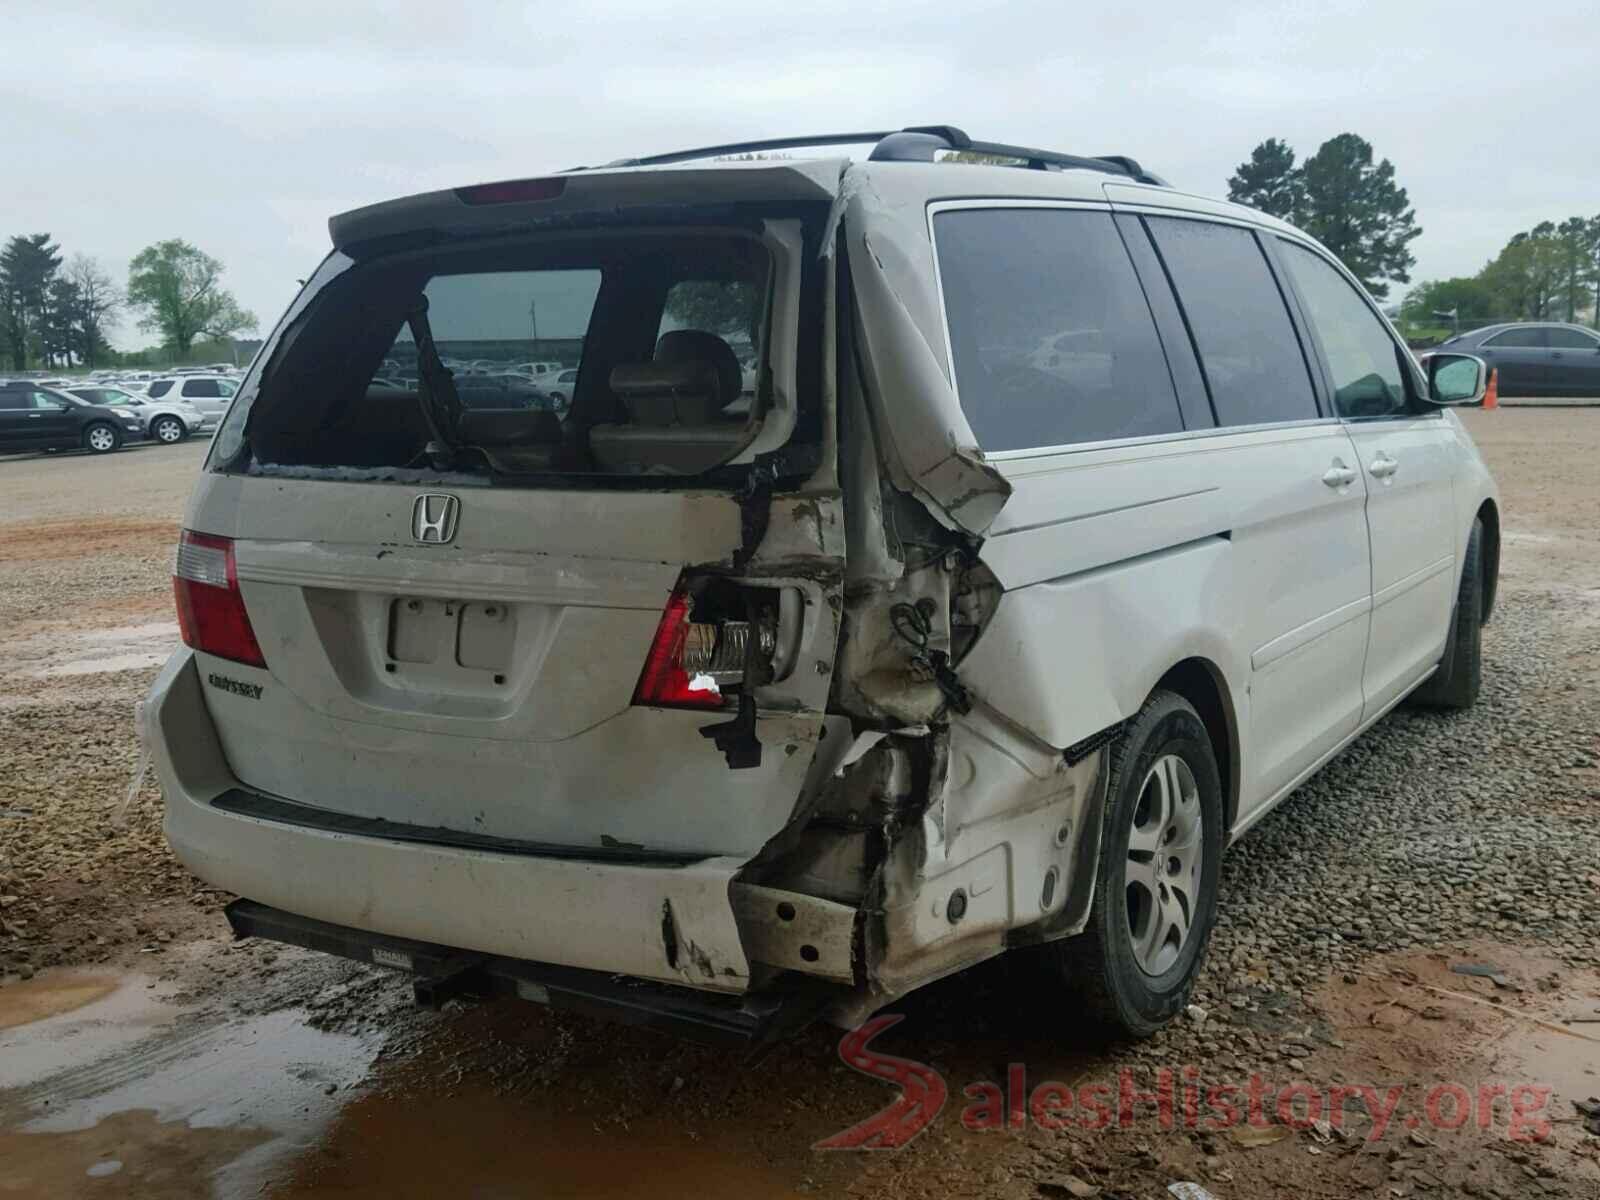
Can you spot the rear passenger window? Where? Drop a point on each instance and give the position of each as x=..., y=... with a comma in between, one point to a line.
x=205, y=389
x=1570, y=339
x=1254, y=367
x=1519, y=339
x=1052, y=337
x=1361, y=355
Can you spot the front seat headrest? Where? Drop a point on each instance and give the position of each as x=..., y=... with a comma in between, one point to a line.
x=682, y=345
x=693, y=377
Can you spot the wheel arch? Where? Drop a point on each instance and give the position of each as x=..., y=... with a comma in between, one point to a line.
x=1201, y=682
x=1489, y=514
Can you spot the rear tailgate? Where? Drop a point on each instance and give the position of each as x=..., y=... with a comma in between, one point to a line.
x=443, y=742
x=485, y=686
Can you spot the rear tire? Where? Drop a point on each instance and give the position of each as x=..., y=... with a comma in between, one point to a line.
x=101, y=438
x=168, y=430
x=1160, y=855
x=1460, y=675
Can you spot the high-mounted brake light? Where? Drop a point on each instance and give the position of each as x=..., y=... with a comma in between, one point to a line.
x=211, y=614
x=511, y=191
x=666, y=681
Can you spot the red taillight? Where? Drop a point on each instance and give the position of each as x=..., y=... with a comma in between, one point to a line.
x=665, y=682
x=211, y=613
x=511, y=191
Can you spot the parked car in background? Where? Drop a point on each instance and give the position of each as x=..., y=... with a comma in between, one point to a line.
x=1536, y=359
x=211, y=394
x=166, y=421
x=33, y=417
x=560, y=388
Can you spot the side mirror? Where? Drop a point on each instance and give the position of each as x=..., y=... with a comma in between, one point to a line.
x=1456, y=379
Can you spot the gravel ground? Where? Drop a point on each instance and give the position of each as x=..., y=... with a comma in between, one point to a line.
x=1435, y=840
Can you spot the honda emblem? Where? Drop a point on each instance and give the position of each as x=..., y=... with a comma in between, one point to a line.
x=433, y=518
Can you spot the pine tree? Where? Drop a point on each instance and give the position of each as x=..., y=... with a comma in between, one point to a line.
x=1269, y=182
x=1356, y=210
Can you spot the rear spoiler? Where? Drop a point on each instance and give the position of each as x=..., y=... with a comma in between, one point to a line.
x=490, y=208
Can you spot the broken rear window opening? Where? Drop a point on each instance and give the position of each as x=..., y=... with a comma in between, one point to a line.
x=426, y=364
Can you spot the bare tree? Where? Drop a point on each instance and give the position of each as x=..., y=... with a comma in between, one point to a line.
x=98, y=301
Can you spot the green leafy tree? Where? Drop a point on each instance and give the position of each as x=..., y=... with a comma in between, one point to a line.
x=28, y=263
x=1526, y=277
x=1466, y=295
x=1572, y=251
x=1592, y=242
x=1355, y=208
x=177, y=288
x=717, y=306
x=1270, y=181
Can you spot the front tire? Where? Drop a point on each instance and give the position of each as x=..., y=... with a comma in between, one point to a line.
x=101, y=438
x=1135, y=964
x=1459, y=679
x=168, y=430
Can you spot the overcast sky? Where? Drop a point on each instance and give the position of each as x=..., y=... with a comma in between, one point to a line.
x=241, y=127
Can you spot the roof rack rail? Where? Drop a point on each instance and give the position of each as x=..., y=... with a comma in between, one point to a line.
x=915, y=143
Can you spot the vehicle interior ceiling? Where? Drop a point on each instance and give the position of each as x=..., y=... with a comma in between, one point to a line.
x=657, y=392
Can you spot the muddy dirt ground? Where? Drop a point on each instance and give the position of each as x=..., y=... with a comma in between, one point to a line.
x=1421, y=921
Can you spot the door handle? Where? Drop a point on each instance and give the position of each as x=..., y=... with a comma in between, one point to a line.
x=1338, y=475
x=1383, y=466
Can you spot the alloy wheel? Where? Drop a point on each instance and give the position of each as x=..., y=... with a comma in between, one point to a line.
x=1166, y=851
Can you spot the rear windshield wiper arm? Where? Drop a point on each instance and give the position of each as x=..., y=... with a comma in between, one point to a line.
x=436, y=388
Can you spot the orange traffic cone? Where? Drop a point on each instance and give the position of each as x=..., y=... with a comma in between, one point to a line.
x=1491, y=394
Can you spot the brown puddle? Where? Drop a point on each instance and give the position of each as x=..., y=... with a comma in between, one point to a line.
x=130, y=1094
x=1413, y=1014
x=1498, y=1047
x=129, y=1154
x=49, y=995
x=482, y=1144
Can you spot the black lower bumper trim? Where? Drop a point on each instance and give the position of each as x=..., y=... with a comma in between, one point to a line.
x=289, y=812
x=442, y=972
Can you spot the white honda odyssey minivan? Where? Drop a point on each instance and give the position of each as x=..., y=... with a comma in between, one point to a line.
x=1066, y=523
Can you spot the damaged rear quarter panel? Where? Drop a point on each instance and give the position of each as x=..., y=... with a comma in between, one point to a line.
x=929, y=447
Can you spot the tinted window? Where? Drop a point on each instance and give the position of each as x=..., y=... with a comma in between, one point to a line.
x=1053, y=340
x=1254, y=367
x=1571, y=339
x=1513, y=339
x=1360, y=353
x=159, y=388
x=13, y=398
x=206, y=389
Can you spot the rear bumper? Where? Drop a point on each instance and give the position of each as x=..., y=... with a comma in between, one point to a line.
x=441, y=973
x=675, y=924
